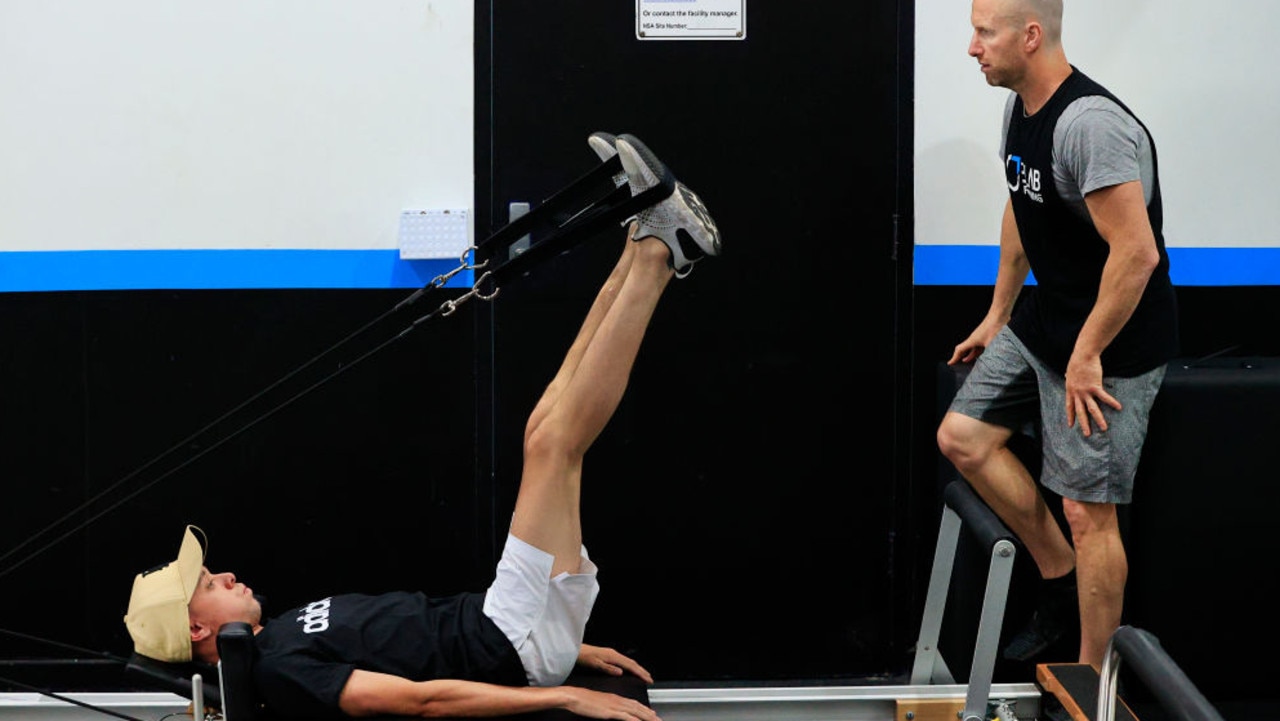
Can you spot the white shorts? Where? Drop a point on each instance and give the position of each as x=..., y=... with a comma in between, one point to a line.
x=543, y=617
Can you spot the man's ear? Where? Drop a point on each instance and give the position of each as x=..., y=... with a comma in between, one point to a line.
x=199, y=631
x=1034, y=36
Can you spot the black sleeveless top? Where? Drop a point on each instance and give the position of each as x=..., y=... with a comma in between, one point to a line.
x=1067, y=254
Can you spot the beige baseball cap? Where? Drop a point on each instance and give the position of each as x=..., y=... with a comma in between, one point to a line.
x=157, y=618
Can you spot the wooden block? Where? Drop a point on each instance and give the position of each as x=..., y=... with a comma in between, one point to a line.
x=930, y=709
x=1075, y=685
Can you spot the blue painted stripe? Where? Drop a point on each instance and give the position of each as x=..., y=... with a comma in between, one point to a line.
x=976, y=265
x=956, y=264
x=218, y=269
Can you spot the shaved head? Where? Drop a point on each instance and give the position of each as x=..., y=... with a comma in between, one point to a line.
x=1046, y=12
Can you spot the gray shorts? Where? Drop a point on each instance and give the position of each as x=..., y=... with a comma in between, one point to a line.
x=1010, y=387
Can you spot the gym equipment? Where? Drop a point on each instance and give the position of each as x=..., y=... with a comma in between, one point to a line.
x=932, y=694
x=1092, y=696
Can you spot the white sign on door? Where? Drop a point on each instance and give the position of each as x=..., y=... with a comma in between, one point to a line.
x=691, y=19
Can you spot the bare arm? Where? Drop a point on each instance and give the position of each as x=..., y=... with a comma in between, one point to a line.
x=1010, y=277
x=1119, y=213
x=367, y=693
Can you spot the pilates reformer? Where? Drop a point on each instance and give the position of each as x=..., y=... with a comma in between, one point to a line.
x=229, y=691
x=226, y=691
x=932, y=693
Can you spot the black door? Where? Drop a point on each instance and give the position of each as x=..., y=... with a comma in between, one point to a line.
x=745, y=505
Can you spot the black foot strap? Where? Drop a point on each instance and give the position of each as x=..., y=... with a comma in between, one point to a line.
x=582, y=209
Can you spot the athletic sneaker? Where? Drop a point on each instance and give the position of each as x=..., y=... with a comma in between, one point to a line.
x=605, y=146
x=1056, y=614
x=1041, y=632
x=681, y=220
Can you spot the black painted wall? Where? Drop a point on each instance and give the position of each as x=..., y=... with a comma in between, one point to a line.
x=130, y=414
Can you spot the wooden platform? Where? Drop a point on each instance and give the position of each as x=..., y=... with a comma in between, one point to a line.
x=1075, y=685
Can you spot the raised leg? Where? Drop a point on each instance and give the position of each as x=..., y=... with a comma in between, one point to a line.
x=979, y=451
x=582, y=397
x=581, y=400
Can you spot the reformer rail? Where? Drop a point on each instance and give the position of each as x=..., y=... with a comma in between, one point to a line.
x=1158, y=672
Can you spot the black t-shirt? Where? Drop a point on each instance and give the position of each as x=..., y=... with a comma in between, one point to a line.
x=305, y=656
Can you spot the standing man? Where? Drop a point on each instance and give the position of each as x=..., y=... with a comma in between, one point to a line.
x=1083, y=353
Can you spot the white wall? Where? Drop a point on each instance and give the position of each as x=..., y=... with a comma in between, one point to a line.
x=1201, y=76
x=237, y=124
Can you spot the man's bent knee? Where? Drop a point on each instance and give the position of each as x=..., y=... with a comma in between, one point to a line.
x=968, y=442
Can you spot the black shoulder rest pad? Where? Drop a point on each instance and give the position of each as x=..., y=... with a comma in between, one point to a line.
x=238, y=653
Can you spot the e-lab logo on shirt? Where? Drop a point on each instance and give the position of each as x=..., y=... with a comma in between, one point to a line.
x=1023, y=177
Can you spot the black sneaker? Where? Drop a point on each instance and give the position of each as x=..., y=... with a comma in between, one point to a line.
x=1042, y=631
x=1057, y=613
